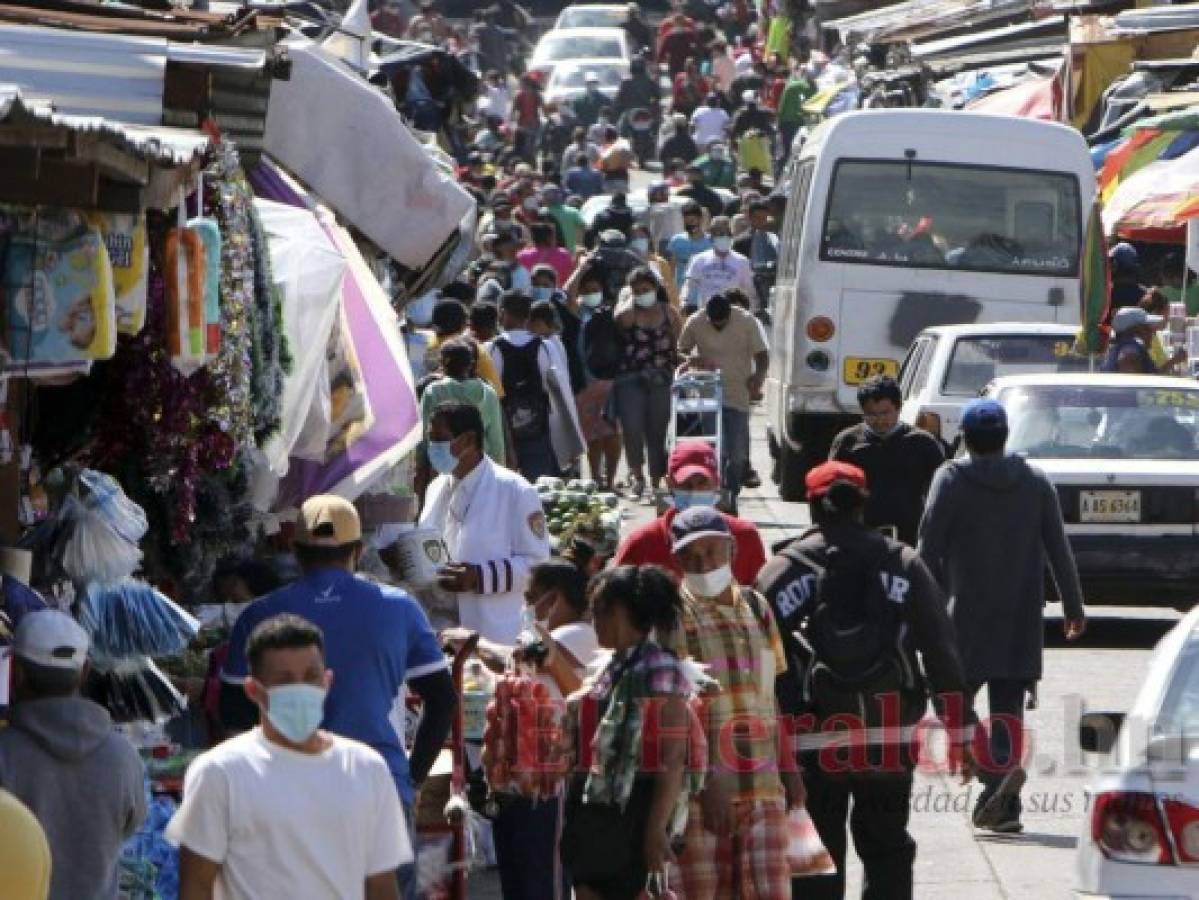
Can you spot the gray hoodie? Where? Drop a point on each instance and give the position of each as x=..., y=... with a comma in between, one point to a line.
x=991, y=525
x=85, y=784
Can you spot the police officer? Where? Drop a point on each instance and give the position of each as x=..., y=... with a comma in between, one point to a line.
x=854, y=607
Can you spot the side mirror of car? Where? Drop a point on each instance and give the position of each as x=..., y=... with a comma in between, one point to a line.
x=1097, y=731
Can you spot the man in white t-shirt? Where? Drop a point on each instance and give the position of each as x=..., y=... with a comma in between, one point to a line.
x=287, y=809
x=716, y=270
x=708, y=122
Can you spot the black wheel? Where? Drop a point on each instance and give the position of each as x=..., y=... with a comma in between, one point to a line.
x=794, y=465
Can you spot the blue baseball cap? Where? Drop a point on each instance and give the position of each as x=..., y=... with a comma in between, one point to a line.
x=695, y=523
x=983, y=414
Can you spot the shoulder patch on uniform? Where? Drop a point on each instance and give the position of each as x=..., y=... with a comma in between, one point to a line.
x=537, y=524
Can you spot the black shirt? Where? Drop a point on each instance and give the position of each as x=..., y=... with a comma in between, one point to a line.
x=899, y=469
x=705, y=197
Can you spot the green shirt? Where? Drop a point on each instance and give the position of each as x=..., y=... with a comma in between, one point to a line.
x=718, y=173
x=570, y=220
x=477, y=393
x=795, y=94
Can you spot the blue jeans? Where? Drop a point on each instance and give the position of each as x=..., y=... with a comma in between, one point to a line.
x=734, y=448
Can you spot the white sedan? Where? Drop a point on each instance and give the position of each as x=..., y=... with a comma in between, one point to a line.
x=570, y=44
x=1123, y=453
x=1141, y=838
x=949, y=365
x=592, y=15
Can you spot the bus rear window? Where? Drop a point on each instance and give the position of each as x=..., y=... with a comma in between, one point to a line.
x=947, y=216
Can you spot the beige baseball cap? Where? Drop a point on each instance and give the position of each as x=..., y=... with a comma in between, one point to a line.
x=327, y=520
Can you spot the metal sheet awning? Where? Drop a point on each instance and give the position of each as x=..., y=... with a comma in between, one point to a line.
x=1052, y=31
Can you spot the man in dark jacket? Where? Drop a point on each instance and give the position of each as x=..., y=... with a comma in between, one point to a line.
x=899, y=460
x=843, y=572
x=62, y=759
x=991, y=525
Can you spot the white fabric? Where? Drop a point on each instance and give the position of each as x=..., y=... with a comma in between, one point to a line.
x=309, y=272
x=709, y=123
x=580, y=639
x=339, y=135
x=498, y=525
x=289, y=824
x=352, y=39
x=709, y=272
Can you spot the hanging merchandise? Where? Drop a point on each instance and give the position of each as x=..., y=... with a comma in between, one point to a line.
x=184, y=263
x=129, y=253
x=132, y=690
x=60, y=307
x=210, y=237
x=99, y=531
x=131, y=618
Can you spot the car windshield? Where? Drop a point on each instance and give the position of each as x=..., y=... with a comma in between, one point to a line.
x=977, y=361
x=574, y=76
x=1179, y=715
x=942, y=216
x=1102, y=421
x=581, y=17
x=580, y=47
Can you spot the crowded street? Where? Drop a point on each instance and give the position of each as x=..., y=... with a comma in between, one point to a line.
x=545, y=450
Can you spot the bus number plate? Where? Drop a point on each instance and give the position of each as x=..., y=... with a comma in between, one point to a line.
x=858, y=369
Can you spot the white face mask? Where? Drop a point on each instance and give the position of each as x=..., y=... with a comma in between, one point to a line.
x=646, y=300
x=591, y=301
x=709, y=584
x=639, y=245
x=723, y=244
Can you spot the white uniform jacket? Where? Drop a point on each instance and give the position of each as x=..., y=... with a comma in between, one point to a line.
x=492, y=520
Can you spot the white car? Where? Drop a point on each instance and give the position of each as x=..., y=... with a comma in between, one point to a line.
x=1123, y=453
x=568, y=81
x=949, y=365
x=592, y=15
x=1141, y=838
x=570, y=44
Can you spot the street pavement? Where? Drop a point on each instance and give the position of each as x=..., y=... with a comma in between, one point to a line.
x=1102, y=671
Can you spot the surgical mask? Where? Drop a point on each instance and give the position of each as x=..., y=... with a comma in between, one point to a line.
x=441, y=456
x=687, y=499
x=296, y=710
x=542, y=293
x=640, y=245
x=717, y=153
x=647, y=299
x=709, y=584
x=723, y=244
x=591, y=301
x=886, y=432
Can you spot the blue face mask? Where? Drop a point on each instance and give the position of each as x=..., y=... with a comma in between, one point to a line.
x=542, y=293
x=441, y=456
x=296, y=710
x=687, y=499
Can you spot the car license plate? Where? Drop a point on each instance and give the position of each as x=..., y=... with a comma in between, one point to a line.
x=1109, y=506
x=859, y=368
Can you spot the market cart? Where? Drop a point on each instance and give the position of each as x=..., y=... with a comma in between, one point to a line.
x=440, y=823
x=695, y=401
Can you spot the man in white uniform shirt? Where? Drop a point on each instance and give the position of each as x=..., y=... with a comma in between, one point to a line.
x=718, y=269
x=491, y=520
x=708, y=122
x=287, y=809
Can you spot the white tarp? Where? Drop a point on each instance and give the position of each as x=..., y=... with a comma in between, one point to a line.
x=344, y=139
x=309, y=271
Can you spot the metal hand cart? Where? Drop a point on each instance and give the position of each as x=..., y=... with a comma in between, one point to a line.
x=434, y=829
x=695, y=401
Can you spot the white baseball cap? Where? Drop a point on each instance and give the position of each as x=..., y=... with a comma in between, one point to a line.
x=52, y=639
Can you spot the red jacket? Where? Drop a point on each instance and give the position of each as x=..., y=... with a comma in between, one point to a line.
x=650, y=544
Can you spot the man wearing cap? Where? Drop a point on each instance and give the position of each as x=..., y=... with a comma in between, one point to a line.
x=1132, y=333
x=736, y=835
x=725, y=338
x=377, y=639
x=991, y=526
x=693, y=476
x=1127, y=289
x=842, y=569
x=718, y=269
x=61, y=757
x=500, y=221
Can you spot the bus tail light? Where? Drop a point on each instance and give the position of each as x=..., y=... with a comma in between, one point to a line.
x=821, y=329
x=1127, y=827
x=1183, y=819
x=929, y=421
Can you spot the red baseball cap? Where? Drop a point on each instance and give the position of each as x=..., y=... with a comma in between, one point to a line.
x=690, y=458
x=821, y=479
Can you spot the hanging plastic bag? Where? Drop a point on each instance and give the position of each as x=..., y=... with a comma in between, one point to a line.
x=131, y=618
x=184, y=270
x=657, y=887
x=124, y=238
x=210, y=234
x=101, y=530
x=806, y=853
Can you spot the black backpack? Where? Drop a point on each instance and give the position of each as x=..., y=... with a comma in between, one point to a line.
x=855, y=636
x=603, y=346
x=526, y=402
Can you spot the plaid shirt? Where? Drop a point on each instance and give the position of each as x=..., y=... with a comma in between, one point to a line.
x=742, y=651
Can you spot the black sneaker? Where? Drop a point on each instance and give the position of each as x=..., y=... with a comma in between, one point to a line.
x=1007, y=826
x=752, y=479
x=996, y=808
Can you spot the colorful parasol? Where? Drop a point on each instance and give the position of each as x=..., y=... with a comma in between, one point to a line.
x=1095, y=289
x=1153, y=203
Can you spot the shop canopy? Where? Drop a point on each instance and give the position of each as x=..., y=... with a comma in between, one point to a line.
x=1154, y=203
x=1037, y=98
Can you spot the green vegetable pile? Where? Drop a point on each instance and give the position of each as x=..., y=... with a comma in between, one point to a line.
x=578, y=509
